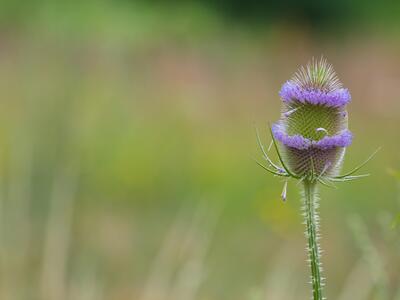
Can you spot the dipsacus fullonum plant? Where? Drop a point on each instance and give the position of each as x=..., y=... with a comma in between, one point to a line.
x=310, y=140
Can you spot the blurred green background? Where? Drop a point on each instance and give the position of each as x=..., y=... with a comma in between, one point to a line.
x=126, y=132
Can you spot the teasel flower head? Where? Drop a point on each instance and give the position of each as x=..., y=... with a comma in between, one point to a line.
x=312, y=133
x=310, y=140
x=313, y=130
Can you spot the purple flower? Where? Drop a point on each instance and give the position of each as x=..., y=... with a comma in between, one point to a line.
x=342, y=139
x=313, y=128
x=310, y=141
x=291, y=92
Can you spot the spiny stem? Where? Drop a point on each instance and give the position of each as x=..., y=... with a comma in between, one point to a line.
x=311, y=221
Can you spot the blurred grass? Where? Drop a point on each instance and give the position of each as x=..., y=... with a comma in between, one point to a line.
x=119, y=120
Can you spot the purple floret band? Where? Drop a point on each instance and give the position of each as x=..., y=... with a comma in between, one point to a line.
x=343, y=139
x=292, y=92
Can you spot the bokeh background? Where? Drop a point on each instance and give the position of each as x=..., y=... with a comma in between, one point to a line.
x=126, y=131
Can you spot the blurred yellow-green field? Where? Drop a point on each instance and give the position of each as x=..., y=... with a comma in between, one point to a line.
x=127, y=144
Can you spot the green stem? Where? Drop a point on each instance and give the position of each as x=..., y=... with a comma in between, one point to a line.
x=310, y=207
